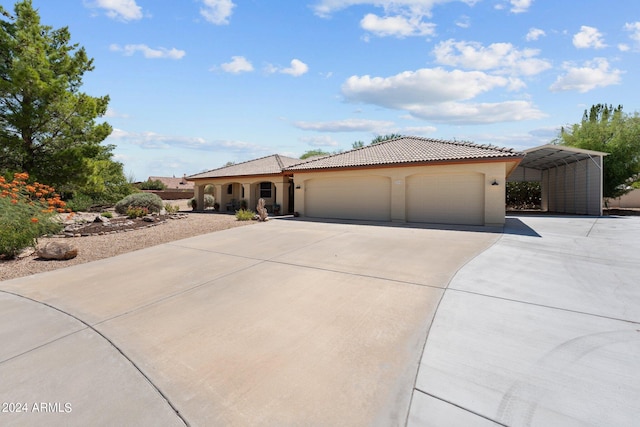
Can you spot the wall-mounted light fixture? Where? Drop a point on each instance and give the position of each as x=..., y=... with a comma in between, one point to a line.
x=298, y=187
x=495, y=182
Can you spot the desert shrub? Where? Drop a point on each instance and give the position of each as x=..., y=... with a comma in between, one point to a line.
x=136, y=212
x=171, y=209
x=523, y=195
x=107, y=214
x=27, y=211
x=245, y=215
x=152, y=184
x=152, y=202
x=80, y=202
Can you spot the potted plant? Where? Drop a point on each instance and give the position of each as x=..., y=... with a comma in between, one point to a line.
x=243, y=204
x=276, y=209
x=194, y=204
x=216, y=206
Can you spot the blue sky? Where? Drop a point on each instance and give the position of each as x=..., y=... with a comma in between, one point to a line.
x=197, y=83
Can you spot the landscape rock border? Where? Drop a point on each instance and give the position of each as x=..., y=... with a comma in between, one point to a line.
x=68, y=234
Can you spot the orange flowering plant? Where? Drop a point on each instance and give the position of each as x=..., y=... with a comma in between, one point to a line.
x=27, y=211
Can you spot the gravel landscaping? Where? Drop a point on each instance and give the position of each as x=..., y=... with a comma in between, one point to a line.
x=95, y=247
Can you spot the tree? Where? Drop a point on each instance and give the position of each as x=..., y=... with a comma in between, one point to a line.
x=357, y=144
x=610, y=130
x=312, y=153
x=381, y=138
x=47, y=125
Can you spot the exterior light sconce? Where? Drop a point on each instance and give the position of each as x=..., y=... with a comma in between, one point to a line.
x=495, y=182
x=298, y=187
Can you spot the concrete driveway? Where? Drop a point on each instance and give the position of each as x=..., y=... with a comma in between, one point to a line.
x=283, y=323
x=308, y=323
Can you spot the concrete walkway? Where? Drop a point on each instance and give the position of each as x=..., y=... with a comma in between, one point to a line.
x=542, y=329
x=284, y=323
x=306, y=323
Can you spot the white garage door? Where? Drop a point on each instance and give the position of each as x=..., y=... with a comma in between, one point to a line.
x=446, y=199
x=366, y=198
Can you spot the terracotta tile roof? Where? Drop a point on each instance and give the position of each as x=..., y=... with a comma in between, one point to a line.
x=407, y=150
x=174, y=183
x=268, y=165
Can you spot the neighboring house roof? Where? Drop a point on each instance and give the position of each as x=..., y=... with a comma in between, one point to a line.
x=174, y=183
x=268, y=165
x=407, y=150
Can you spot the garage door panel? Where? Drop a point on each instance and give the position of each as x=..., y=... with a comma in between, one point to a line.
x=446, y=199
x=365, y=198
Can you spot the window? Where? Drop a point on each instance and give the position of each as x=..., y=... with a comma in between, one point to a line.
x=230, y=189
x=265, y=190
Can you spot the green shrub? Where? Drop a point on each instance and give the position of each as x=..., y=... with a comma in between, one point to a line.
x=152, y=184
x=245, y=215
x=136, y=212
x=27, y=211
x=80, y=202
x=152, y=202
x=107, y=214
x=171, y=209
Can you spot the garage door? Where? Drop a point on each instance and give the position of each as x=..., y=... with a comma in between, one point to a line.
x=446, y=199
x=366, y=198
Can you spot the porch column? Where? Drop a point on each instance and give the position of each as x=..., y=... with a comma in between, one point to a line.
x=249, y=197
x=217, y=193
x=199, y=196
x=282, y=193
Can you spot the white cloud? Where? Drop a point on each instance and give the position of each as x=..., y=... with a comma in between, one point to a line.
x=438, y=95
x=325, y=8
x=478, y=113
x=464, y=22
x=502, y=57
x=147, y=52
x=520, y=6
x=634, y=29
x=238, y=64
x=622, y=47
x=397, y=26
x=153, y=140
x=217, y=11
x=588, y=37
x=535, y=34
x=592, y=75
x=296, y=69
x=319, y=141
x=347, y=125
x=124, y=10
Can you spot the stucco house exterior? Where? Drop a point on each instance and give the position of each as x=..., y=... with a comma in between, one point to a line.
x=408, y=179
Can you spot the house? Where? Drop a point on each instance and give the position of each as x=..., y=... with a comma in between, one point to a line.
x=264, y=178
x=173, y=183
x=408, y=179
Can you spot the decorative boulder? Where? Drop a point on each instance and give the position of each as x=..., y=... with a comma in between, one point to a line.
x=57, y=250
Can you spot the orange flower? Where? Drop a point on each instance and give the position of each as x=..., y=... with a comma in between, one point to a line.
x=14, y=201
x=34, y=220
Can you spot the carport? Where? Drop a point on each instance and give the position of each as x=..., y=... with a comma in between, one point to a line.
x=570, y=178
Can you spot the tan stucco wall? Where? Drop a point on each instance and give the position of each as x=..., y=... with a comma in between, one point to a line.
x=494, y=195
x=629, y=200
x=251, y=186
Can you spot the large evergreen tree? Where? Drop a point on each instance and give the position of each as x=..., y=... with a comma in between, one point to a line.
x=608, y=129
x=48, y=126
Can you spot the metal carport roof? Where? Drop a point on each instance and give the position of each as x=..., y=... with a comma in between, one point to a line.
x=549, y=156
x=570, y=178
